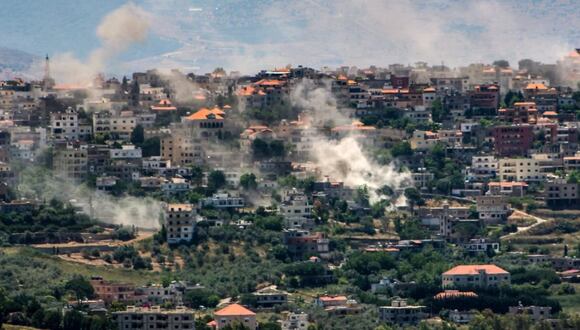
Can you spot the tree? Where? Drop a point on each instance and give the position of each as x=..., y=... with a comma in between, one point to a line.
x=248, y=181
x=200, y=297
x=413, y=196
x=81, y=287
x=196, y=175
x=216, y=180
x=402, y=149
x=151, y=147
x=138, y=135
x=134, y=93
x=73, y=320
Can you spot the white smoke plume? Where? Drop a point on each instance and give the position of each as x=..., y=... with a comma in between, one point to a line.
x=343, y=160
x=126, y=210
x=119, y=30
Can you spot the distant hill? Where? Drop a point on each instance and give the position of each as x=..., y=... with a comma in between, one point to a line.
x=15, y=60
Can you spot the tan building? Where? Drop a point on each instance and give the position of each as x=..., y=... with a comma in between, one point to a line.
x=121, y=124
x=492, y=209
x=154, y=318
x=475, y=276
x=233, y=314
x=181, y=148
x=180, y=222
x=111, y=291
x=71, y=161
x=520, y=169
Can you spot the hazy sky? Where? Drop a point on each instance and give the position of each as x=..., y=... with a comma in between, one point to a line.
x=247, y=35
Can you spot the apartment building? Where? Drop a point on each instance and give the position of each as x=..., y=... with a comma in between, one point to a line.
x=270, y=297
x=112, y=291
x=560, y=193
x=70, y=161
x=521, y=169
x=483, y=166
x=513, y=140
x=223, y=201
x=154, y=318
x=475, y=276
x=401, y=314
x=180, y=222
x=301, y=242
x=492, y=209
x=296, y=210
x=120, y=125
x=67, y=126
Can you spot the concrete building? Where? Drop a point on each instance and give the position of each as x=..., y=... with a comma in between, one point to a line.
x=475, y=276
x=180, y=222
x=235, y=314
x=119, y=125
x=295, y=321
x=66, y=126
x=70, y=161
x=515, y=140
x=560, y=193
x=521, y=169
x=401, y=314
x=300, y=242
x=508, y=188
x=480, y=245
x=296, y=210
x=270, y=297
x=154, y=318
x=223, y=201
x=127, y=151
x=113, y=292
x=461, y=317
x=492, y=209
x=536, y=313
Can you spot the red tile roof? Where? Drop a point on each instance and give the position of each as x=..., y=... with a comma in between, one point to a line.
x=448, y=294
x=475, y=269
x=234, y=310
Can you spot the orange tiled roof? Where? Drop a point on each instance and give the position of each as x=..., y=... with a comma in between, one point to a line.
x=536, y=86
x=332, y=298
x=550, y=113
x=204, y=113
x=429, y=89
x=447, y=294
x=235, y=310
x=475, y=269
x=164, y=105
x=270, y=83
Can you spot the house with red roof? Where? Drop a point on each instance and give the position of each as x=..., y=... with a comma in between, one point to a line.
x=235, y=313
x=475, y=276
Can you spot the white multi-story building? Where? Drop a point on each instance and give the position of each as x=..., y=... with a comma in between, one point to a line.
x=521, y=169
x=483, y=166
x=65, y=126
x=296, y=210
x=480, y=245
x=223, y=201
x=126, y=152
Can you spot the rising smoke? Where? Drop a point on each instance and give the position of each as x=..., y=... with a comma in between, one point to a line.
x=343, y=160
x=127, y=210
x=119, y=30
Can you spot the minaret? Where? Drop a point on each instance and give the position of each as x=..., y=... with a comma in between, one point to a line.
x=47, y=81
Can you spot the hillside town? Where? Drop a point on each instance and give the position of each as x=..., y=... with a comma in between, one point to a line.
x=357, y=198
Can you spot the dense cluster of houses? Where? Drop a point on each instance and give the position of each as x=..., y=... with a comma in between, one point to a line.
x=515, y=128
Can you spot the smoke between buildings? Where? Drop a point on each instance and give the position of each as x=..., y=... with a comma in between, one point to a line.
x=126, y=210
x=345, y=159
